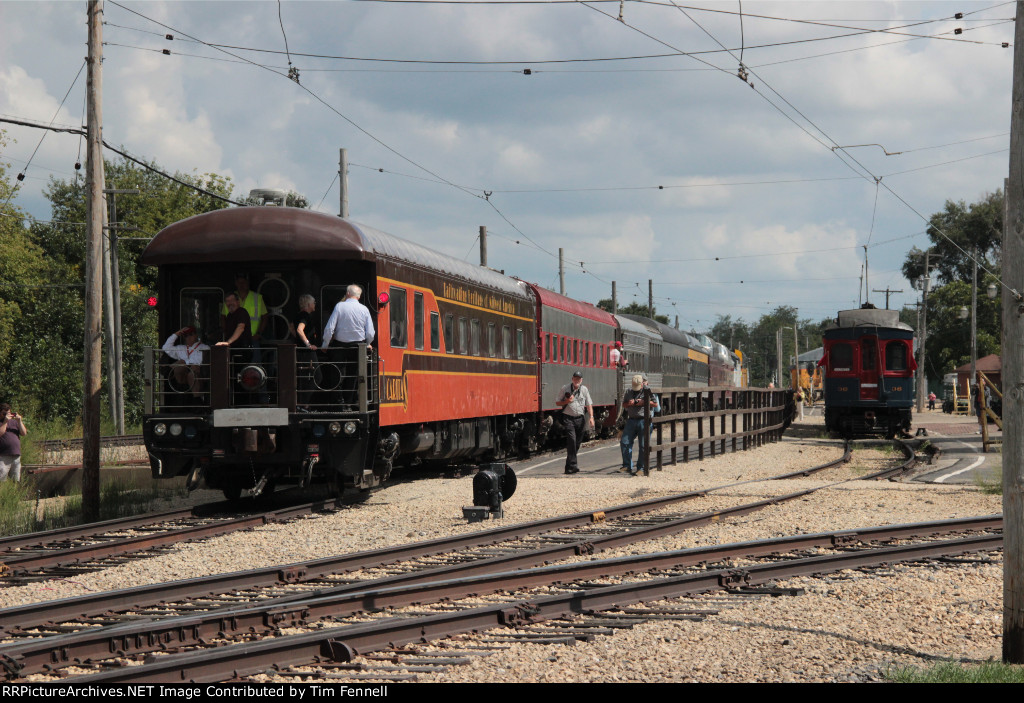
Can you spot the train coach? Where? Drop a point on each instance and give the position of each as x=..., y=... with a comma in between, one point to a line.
x=869, y=373
x=464, y=367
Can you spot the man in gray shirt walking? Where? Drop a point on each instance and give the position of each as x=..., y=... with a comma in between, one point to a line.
x=574, y=399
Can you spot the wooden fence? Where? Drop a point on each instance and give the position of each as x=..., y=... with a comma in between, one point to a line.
x=726, y=418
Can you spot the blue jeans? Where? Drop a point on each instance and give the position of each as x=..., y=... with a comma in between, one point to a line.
x=634, y=429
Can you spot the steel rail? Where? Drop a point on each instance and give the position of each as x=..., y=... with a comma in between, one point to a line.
x=40, y=539
x=343, y=643
x=119, y=440
x=40, y=655
x=18, y=618
x=14, y=565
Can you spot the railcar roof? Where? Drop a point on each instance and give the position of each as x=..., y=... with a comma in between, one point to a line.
x=869, y=317
x=551, y=299
x=245, y=234
x=636, y=325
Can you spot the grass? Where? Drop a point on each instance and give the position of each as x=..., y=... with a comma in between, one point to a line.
x=953, y=672
x=991, y=486
x=22, y=510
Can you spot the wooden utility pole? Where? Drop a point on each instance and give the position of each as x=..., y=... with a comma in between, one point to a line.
x=615, y=300
x=483, y=245
x=650, y=298
x=561, y=271
x=93, y=268
x=922, y=376
x=112, y=305
x=974, y=316
x=887, y=292
x=1013, y=368
x=343, y=182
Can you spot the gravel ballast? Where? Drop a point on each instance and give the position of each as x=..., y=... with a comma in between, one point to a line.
x=846, y=627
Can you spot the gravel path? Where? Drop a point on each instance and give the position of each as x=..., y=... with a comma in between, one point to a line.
x=842, y=628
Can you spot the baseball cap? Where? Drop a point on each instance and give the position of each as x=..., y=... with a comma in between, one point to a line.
x=638, y=382
x=577, y=374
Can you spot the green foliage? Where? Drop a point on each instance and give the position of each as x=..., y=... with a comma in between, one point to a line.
x=965, y=226
x=16, y=513
x=757, y=341
x=949, y=336
x=42, y=285
x=954, y=672
x=634, y=308
x=20, y=508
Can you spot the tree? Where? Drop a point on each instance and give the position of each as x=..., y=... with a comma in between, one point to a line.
x=949, y=335
x=634, y=308
x=965, y=226
x=46, y=363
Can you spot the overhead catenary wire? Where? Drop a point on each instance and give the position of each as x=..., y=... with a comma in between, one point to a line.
x=22, y=173
x=853, y=163
x=121, y=152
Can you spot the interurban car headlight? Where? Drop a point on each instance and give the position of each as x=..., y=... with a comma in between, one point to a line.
x=190, y=432
x=350, y=428
x=335, y=427
x=176, y=429
x=159, y=429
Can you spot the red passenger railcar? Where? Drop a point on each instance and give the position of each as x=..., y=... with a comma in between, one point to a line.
x=452, y=373
x=465, y=364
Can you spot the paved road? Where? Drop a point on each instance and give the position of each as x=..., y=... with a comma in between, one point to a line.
x=962, y=460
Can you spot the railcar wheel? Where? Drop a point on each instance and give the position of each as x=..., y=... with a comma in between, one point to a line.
x=232, y=492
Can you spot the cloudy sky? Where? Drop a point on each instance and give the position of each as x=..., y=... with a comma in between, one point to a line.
x=630, y=143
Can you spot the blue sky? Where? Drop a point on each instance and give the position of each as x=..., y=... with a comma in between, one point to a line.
x=729, y=195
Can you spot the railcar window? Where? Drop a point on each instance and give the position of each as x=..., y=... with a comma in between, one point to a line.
x=841, y=356
x=399, y=318
x=575, y=351
x=868, y=354
x=520, y=339
x=895, y=356
x=449, y=333
x=492, y=342
x=506, y=342
x=435, y=331
x=463, y=336
x=561, y=348
x=417, y=322
x=200, y=308
x=474, y=340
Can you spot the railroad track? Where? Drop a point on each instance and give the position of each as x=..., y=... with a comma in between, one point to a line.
x=71, y=551
x=584, y=590
x=56, y=445
x=195, y=595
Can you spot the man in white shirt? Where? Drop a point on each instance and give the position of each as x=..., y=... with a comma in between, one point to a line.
x=350, y=322
x=574, y=399
x=349, y=325
x=188, y=358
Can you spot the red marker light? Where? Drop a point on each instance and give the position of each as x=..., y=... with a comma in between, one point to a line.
x=151, y=301
x=383, y=299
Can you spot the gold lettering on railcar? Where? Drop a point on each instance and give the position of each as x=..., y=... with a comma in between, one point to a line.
x=396, y=389
x=489, y=301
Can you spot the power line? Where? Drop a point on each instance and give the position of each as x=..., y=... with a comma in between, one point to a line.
x=143, y=164
x=21, y=174
x=308, y=91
